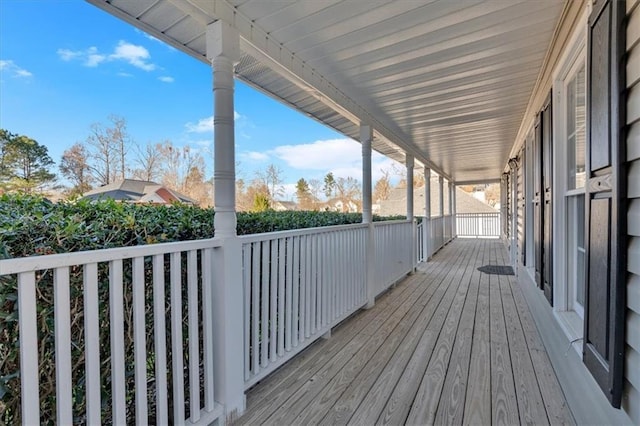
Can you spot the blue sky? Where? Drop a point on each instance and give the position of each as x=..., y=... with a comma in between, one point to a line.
x=67, y=64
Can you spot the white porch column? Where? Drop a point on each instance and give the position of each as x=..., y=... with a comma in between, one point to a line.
x=410, y=164
x=223, y=50
x=441, y=192
x=366, y=136
x=426, y=225
x=454, y=210
x=451, y=204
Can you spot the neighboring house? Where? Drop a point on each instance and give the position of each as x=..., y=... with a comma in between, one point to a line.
x=138, y=191
x=337, y=205
x=281, y=206
x=396, y=203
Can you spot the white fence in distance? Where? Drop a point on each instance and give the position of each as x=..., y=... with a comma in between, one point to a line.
x=479, y=225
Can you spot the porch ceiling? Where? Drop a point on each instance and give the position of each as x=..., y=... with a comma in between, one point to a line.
x=447, y=82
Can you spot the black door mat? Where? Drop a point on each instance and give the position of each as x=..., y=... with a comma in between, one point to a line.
x=496, y=270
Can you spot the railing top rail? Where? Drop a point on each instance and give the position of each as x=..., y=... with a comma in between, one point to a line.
x=297, y=232
x=391, y=222
x=37, y=263
x=478, y=214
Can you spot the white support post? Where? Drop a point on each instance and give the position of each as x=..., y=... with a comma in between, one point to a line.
x=223, y=50
x=366, y=136
x=426, y=225
x=451, y=203
x=409, y=161
x=410, y=164
x=454, y=208
x=441, y=192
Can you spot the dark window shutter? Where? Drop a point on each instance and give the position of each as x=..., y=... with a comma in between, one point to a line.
x=605, y=210
x=537, y=199
x=547, y=211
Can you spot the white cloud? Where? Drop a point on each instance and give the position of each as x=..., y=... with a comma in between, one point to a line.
x=94, y=58
x=67, y=55
x=147, y=35
x=124, y=74
x=202, y=126
x=206, y=124
x=135, y=55
x=90, y=56
x=339, y=153
x=254, y=156
x=166, y=79
x=14, y=70
x=342, y=157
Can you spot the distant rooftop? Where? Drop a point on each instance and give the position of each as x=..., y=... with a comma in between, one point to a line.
x=138, y=191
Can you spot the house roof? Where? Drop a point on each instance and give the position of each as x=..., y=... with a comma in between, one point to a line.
x=287, y=205
x=447, y=82
x=132, y=190
x=396, y=203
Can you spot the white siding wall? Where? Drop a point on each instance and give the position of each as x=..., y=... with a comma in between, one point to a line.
x=631, y=398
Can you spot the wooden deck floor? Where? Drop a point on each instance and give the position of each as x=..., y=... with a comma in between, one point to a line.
x=449, y=345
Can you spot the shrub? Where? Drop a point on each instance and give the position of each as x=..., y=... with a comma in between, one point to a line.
x=31, y=226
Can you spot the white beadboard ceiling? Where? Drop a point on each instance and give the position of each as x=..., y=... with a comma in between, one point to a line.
x=445, y=81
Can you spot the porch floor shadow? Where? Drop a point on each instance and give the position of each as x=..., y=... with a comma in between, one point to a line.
x=448, y=345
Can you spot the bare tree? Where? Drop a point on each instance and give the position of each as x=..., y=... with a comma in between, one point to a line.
x=101, y=154
x=121, y=140
x=348, y=191
x=315, y=188
x=74, y=166
x=382, y=188
x=183, y=169
x=271, y=178
x=108, y=147
x=149, y=160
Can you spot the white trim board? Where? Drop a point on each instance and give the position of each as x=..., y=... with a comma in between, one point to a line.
x=587, y=403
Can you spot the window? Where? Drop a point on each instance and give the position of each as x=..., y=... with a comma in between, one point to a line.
x=570, y=167
x=575, y=149
x=575, y=131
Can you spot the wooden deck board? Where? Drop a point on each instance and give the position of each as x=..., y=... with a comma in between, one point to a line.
x=371, y=407
x=477, y=409
x=375, y=379
x=504, y=402
x=448, y=345
x=397, y=389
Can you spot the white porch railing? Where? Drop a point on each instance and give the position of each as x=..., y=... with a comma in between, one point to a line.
x=437, y=234
x=151, y=310
x=485, y=225
x=297, y=285
x=393, y=252
x=440, y=232
x=146, y=309
x=420, y=246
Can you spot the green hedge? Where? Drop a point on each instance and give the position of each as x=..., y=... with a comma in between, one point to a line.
x=34, y=226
